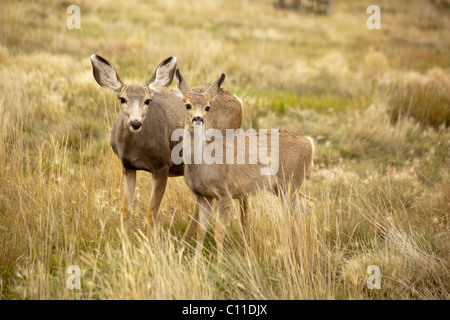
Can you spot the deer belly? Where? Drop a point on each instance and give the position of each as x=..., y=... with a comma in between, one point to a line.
x=135, y=164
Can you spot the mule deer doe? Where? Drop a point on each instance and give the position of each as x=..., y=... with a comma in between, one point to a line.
x=225, y=182
x=141, y=135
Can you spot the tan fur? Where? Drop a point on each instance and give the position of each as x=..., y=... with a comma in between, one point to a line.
x=149, y=148
x=225, y=182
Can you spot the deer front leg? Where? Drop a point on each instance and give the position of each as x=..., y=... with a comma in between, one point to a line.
x=224, y=205
x=129, y=183
x=159, y=182
x=191, y=226
x=204, y=205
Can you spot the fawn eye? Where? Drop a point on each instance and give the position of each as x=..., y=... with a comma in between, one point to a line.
x=188, y=107
x=207, y=108
x=147, y=102
x=122, y=100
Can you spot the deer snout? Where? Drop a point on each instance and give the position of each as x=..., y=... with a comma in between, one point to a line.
x=136, y=125
x=197, y=121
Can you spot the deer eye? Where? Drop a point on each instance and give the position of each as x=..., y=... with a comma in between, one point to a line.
x=188, y=106
x=207, y=108
x=147, y=102
x=122, y=100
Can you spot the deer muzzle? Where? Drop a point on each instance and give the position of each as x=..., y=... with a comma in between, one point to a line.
x=136, y=125
x=197, y=121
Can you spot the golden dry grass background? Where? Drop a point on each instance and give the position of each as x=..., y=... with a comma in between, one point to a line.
x=375, y=101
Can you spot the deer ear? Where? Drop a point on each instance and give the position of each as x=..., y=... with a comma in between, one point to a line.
x=214, y=88
x=105, y=74
x=163, y=75
x=182, y=84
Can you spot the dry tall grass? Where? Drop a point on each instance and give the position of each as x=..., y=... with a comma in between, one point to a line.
x=382, y=187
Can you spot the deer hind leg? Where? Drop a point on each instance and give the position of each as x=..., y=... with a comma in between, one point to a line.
x=287, y=192
x=204, y=205
x=192, y=226
x=129, y=183
x=307, y=203
x=293, y=193
x=224, y=206
x=159, y=182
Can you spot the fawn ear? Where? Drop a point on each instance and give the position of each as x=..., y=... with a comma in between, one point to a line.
x=182, y=84
x=163, y=75
x=105, y=74
x=214, y=88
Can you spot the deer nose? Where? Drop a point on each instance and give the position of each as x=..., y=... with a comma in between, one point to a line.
x=136, y=124
x=197, y=121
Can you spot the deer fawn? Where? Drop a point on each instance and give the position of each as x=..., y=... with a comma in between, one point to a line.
x=141, y=135
x=225, y=182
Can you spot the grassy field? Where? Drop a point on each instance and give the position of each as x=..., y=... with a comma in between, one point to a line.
x=376, y=103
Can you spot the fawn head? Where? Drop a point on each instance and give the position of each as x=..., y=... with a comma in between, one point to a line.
x=134, y=99
x=197, y=104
